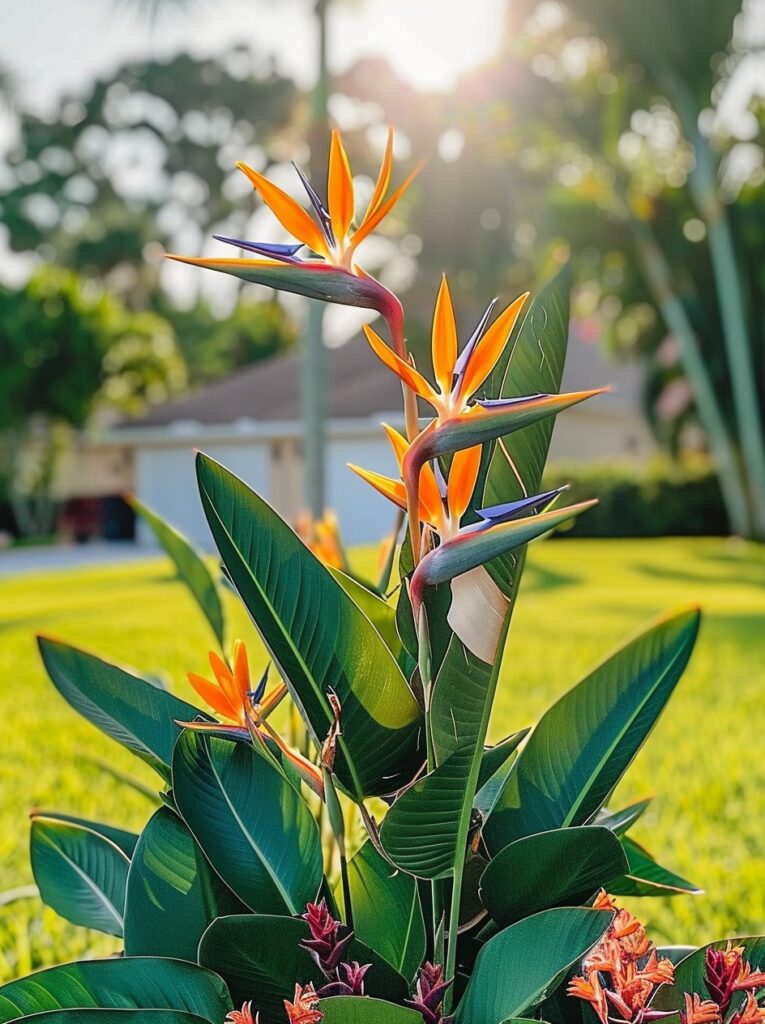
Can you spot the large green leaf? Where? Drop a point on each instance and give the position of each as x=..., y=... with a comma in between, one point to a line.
x=381, y=614
x=253, y=825
x=557, y=868
x=172, y=892
x=621, y=821
x=581, y=747
x=191, y=566
x=127, y=983
x=120, y=703
x=352, y=1010
x=80, y=874
x=421, y=831
x=92, y=1016
x=495, y=758
x=644, y=877
x=533, y=363
x=119, y=836
x=518, y=968
x=490, y=786
x=261, y=959
x=397, y=933
x=690, y=972
x=318, y=637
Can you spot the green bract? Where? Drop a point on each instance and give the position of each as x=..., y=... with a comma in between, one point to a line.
x=386, y=865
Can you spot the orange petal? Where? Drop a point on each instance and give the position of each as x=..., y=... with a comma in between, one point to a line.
x=241, y=670
x=391, y=489
x=213, y=696
x=444, y=338
x=339, y=188
x=462, y=479
x=370, y=222
x=413, y=378
x=490, y=348
x=431, y=506
x=290, y=214
x=383, y=178
x=224, y=677
x=398, y=443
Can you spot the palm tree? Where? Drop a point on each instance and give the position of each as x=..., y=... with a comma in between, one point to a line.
x=679, y=47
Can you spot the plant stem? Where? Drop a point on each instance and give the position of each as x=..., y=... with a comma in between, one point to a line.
x=346, y=888
x=337, y=823
x=387, y=569
x=425, y=666
x=463, y=829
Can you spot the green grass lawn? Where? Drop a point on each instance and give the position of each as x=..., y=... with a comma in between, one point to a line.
x=580, y=598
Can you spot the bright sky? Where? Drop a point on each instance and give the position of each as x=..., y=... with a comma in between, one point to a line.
x=56, y=45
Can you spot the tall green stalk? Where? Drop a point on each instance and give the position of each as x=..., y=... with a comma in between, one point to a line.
x=704, y=188
x=658, y=274
x=314, y=368
x=463, y=828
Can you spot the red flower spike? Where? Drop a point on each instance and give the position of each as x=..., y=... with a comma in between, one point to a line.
x=700, y=1011
x=327, y=946
x=723, y=968
x=429, y=993
x=749, y=979
x=352, y=975
x=750, y=1013
x=623, y=971
x=243, y=1016
x=304, y=1008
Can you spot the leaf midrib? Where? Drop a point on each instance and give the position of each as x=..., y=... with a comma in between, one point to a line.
x=282, y=629
x=100, y=893
x=598, y=769
x=250, y=840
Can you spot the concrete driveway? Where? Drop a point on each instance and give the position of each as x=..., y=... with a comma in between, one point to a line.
x=53, y=557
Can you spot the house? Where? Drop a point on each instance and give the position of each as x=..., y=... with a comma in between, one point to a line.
x=250, y=422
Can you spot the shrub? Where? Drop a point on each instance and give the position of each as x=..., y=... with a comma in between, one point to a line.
x=475, y=893
x=661, y=499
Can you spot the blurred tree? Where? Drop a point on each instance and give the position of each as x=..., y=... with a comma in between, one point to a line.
x=625, y=133
x=144, y=163
x=600, y=128
x=214, y=345
x=66, y=345
x=313, y=363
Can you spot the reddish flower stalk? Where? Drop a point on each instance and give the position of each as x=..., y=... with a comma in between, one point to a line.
x=623, y=971
x=328, y=944
x=726, y=972
x=243, y=1016
x=429, y=993
x=304, y=1008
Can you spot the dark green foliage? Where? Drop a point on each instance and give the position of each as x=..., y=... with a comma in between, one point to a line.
x=660, y=500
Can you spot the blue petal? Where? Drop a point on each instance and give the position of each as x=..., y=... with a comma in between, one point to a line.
x=499, y=403
x=464, y=356
x=256, y=695
x=321, y=210
x=286, y=253
x=513, y=509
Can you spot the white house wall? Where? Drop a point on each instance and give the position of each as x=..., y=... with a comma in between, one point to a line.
x=165, y=480
x=365, y=516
